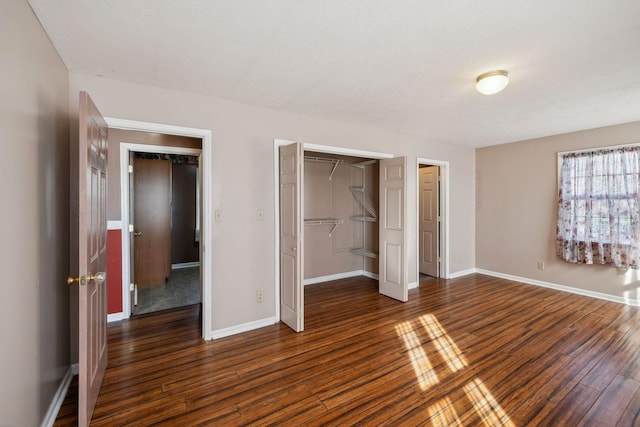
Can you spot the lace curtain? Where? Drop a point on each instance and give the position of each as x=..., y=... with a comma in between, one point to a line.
x=598, y=207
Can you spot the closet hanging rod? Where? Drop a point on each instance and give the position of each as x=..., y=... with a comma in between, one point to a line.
x=324, y=221
x=335, y=162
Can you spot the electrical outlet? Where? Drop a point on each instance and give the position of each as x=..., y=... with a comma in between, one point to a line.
x=259, y=296
x=540, y=265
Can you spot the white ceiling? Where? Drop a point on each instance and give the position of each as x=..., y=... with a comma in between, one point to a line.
x=404, y=65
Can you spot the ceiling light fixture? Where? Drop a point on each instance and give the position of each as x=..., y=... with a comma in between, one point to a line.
x=492, y=82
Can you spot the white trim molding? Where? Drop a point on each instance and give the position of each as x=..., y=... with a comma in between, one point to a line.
x=58, y=398
x=370, y=275
x=206, y=179
x=563, y=288
x=115, y=317
x=114, y=225
x=185, y=265
x=462, y=273
x=245, y=327
x=338, y=276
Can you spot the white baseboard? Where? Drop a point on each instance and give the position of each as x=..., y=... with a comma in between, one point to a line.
x=413, y=285
x=245, y=327
x=58, y=398
x=462, y=273
x=370, y=275
x=330, y=277
x=562, y=288
x=114, y=317
x=185, y=265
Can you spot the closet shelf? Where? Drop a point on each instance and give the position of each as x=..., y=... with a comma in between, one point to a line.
x=335, y=162
x=324, y=221
x=364, y=218
x=360, y=195
x=363, y=252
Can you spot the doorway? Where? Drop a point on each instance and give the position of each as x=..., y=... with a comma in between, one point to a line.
x=166, y=238
x=432, y=219
x=205, y=193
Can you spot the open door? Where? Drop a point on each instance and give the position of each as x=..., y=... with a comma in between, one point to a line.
x=92, y=243
x=152, y=213
x=393, y=277
x=291, y=236
x=132, y=239
x=428, y=223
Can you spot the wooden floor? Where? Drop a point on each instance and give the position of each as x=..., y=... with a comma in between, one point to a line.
x=470, y=351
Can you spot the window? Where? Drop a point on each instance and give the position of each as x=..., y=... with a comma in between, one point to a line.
x=598, y=207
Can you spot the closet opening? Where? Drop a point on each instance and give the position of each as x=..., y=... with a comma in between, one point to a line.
x=339, y=213
x=340, y=217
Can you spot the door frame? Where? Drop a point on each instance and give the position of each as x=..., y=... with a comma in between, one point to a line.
x=443, y=247
x=329, y=149
x=206, y=187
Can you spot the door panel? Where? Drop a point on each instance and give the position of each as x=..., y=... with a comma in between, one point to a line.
x=393, y=277
x=92, y=256
x=152, y=210
x=291, y=237
x=428, y=223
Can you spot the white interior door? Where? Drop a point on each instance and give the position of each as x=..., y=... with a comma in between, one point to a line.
x=291, y=236
x=393, y=277
x=428, y=223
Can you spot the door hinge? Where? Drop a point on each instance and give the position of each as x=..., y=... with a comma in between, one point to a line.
x=130, y=168
x=439, y=259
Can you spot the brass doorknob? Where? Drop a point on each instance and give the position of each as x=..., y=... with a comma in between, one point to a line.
x=82, y=280
x=71, y=280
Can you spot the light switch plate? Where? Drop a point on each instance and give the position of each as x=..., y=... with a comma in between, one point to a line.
x=260, y=214
x=218, y=215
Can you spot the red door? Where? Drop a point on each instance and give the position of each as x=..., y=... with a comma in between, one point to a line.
x=92, y=241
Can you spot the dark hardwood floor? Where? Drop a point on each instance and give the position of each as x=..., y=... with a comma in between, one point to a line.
x=470, y=351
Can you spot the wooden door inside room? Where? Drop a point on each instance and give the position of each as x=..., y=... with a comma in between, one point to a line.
x=92, y=256
x=152, y=228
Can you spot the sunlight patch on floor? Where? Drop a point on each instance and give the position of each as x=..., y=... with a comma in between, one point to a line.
x=486, y=405
x=421, y=364
x=443, y=414
x=446, y=347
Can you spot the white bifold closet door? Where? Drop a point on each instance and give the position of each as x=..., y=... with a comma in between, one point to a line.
x=393, y=280
x=291, y=236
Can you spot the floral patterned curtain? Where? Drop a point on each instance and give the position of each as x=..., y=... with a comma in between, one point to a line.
x=598, y=207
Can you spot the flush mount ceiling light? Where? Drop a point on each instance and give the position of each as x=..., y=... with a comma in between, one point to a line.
x=492, y=82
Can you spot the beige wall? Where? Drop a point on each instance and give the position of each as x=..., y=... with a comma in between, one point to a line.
x=243, y=181
x=118, y=136
x=516, y=193
x=34, y=218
